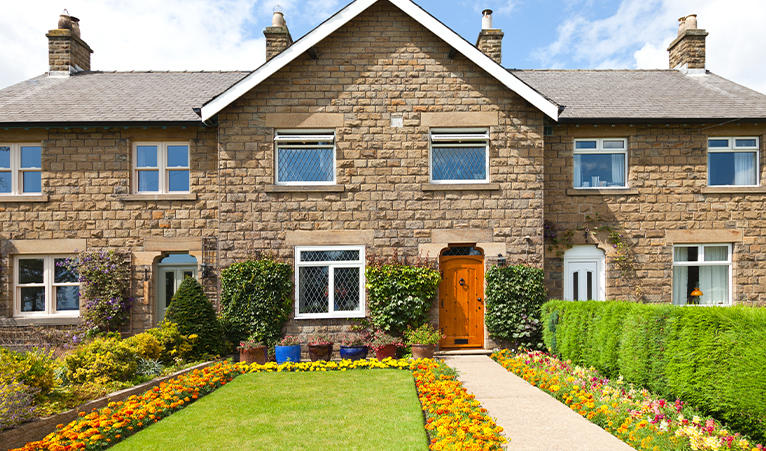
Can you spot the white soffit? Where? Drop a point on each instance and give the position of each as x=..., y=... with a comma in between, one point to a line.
x=344, y=16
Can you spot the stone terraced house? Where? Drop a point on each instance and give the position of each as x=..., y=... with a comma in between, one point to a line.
x=382, y=130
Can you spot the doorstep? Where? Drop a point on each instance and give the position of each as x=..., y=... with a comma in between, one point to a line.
x=472, y=351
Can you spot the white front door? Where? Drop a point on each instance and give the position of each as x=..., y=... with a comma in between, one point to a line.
x=583, y=278
x=170, y=278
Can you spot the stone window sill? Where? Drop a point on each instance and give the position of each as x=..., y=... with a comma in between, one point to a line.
x=23, y=198
x=460, y=187
x=304, y=189
x=164, y=196
x=602, y=192
x=47, y=320
x=733, y=190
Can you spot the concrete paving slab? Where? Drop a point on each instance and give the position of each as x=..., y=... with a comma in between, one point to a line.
x=531, y=419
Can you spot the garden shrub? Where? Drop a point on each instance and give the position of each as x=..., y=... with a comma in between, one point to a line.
x=102, y=360
x=146, y=345
x=711, y=357
x=35, y=369
x=400, y=295
x=16, y=403
x=173, y=344
x=255, y=300
x=194, y=314
x=514, y=295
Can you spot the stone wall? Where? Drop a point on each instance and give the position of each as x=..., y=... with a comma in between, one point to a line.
x=490, y=43
x=689, y=48
x=667, y=201
x=66, y=49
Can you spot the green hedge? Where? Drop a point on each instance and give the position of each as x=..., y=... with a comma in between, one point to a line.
x=514, y=295
x=400, y=295
x=714, y=358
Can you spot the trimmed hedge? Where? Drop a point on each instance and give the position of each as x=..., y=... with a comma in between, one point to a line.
x=714, y=358
x=514, y=295
x=400, y=295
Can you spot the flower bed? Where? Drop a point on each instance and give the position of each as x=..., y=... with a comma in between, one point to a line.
x=631, y=414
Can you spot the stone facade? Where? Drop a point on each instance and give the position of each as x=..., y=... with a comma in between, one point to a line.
x=277, y=40
x=65, y=51
x=688, y=49
x=490, y=42
x=667, y=201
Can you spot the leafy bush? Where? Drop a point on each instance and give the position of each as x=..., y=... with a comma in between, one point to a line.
x=191, y=310
x=400, y=295
x=255, y=300
x=16, y=403
x=146, y=345
x=102, y=360
x=35, y=369
x=514, y=295
x=712, y=357
x=173, y=344
x=104, y=287
x=426, y=334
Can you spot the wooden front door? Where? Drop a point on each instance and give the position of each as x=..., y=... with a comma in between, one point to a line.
x=461, y=301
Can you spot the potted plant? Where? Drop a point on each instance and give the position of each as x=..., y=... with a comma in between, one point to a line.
x=288, y=349
x=252, y=351
x=353, y=347
x=423, y=340
x=320, y=347
x=384, y=344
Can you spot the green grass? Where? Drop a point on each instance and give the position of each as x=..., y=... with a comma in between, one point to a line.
x=351, y=410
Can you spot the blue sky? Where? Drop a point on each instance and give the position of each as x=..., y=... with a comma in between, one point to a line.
x=539, y=34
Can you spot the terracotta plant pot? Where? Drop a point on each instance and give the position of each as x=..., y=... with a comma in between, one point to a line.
x=385, y=351
x=254, y=355
x=320, y=352
x=423, y=351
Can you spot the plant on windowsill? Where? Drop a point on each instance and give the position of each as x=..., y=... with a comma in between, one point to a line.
x=288, y=349
x=423, y=340
x=320, y=347
x=252, y=351
x=353, y=347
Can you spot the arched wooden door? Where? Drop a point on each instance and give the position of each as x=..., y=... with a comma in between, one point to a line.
x=461, y=301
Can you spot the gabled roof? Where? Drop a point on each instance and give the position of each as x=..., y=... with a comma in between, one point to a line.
x=112, y=97
x=644, y=95
x=351, y=11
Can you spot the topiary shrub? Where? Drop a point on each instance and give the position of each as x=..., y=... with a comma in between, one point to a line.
x=102, y=360
x=514, y=295
x=255, y=300
x=194, y=314
x=400, y=296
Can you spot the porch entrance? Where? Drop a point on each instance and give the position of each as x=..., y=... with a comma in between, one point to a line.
x=171, y=272
x=461, y=298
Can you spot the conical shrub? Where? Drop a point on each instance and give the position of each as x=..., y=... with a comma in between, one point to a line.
x=193, y=313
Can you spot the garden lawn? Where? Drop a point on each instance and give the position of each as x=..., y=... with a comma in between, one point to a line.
x=349, y=410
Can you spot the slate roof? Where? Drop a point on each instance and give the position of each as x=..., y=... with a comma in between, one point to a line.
x=109, y=97
x=644, y=94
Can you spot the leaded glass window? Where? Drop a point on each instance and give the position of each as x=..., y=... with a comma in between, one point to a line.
x=304, y=158
x=459, y=156
x=329, y=281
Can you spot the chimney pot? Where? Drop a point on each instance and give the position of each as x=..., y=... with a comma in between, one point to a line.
x=490, y=39
x=67, y=52
x=278, y=19
x=681, y=25
x=486, y=19
x=691, y=22
x=687, y=51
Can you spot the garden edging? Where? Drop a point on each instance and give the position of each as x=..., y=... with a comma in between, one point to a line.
x=38, y=429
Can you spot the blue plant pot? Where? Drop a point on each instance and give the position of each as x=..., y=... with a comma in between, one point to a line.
x=353, y=352
x=287, y=353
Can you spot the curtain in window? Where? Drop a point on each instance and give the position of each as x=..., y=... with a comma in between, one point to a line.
x=680, y=283
x=577, y=171
x=744, y=168
x=618, y=169
x=714, y=280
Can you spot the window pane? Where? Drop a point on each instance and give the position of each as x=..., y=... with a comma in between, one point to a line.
x=30, y=157
x=5, y=157
x=576, y=286
x=589, y=284
x=347, y=289
x=5, y=182
x=685, y=254
x=585, y=144
x=459, y=163
x=31, y=270
x=63, y=274
x=750, y=142
x=599, y=170
x=681, y=287
x=32, y=299
x=170, y=287
x=178, y=180
x=717, y=143
x=614, y=144
x=714, y=284
x=31, y=182
x=329, y=256
x=313, y=296
x=67, y=298
x=178, y=156
x=148, y=181
x=731, y=168
x=305, y=165
x=146, y=156
x=716, y=253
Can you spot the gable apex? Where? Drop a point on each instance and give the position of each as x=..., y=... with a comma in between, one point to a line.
x=345, y=15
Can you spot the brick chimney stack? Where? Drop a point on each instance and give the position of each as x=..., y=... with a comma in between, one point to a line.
x=687, y=51
x=490, y=39
x=277, y=36
x=67, y=52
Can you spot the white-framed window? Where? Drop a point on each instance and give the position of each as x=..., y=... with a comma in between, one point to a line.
x=20, y=169
x=161, y=167
x=732, y=161
x=702, y=267
x=305, y=157
x=601, y=163
x=459, y=156
x=584, y=273
x=329, y=281
x=44, y=287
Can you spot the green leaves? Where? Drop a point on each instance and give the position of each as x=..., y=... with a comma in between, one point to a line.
x=191, y=310
x=400, y=295
x=514, y=296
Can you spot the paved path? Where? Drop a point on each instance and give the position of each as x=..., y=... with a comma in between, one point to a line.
x=531, y=419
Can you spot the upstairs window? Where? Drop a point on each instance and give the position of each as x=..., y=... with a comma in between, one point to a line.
x=732, y=161
x=161, y=167
x=45, y=287
x=459, y=156
x=600, y=163
x=20, y=169
x=305, y=158
x=705, y=268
